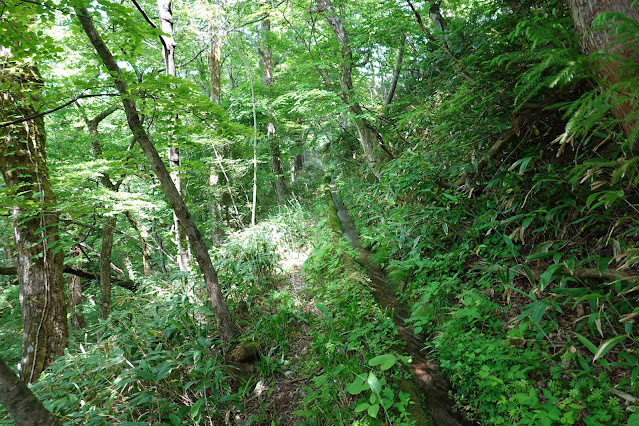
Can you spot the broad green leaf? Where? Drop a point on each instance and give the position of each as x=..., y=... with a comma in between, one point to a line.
x=374, y=383
x=361, y=407
x=358, y=385
x=373, y=410
x=384, y=361
x=607, y=345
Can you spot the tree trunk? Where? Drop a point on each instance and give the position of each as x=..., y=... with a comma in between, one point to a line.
x=158, y=242
x=370, y=140
x=39, y=255
x=396, y=72
x=611, y=72
x=105, y=267
x=268, y=68
x=168, y=49
x=144, y=240
x=75, y=294
x=226, y=327
x=215, y=63
x=21, y=404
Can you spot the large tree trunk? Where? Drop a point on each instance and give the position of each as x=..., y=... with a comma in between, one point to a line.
x=225, y=324
x=268, y=68
x=21, y=404
x=39, y=255
x=370, y=140
x=611, y=72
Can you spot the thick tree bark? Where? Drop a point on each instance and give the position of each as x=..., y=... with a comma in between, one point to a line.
x=21, y=404
x=611, y=72
x=268, y=68
x=227, y=328
x=370, y=140
x=39, y=255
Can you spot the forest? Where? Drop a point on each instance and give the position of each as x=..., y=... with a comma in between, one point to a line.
x=319, y=212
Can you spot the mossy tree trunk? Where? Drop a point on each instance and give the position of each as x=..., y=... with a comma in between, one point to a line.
x=35, y=221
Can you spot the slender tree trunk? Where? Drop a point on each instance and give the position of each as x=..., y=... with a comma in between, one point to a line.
x=105, y=267
x=75, y=294
x=168, y=49
x=611, y=72
x=21, y=404
x=39, y=258
x=226, y=327
x=158, y=242
x=215, y=63
x=109, y=223
x=398, y=68
x=370, y=140
x=144, y=240
x=268, y=68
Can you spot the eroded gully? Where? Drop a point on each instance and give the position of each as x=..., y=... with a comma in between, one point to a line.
x=426, y=373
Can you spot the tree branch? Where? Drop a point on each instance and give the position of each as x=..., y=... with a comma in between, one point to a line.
x=49, y=111
x=124, y=283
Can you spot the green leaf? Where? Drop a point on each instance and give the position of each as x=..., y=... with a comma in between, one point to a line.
x=373, y=410
x=361, y=407
x=384, y=361
x=603, y=264
x=195, y=408
x=607, y=345
x=358, y=386
x=547, y=276
x=587, y=343
x=322, y=308
x=374, y=383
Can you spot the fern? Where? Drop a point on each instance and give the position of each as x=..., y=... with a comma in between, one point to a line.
x=551, y=60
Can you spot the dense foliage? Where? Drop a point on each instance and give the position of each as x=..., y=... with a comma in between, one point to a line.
x=505, y=212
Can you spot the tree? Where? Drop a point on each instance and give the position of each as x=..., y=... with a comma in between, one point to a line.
x=35, y=218
x=226, y=327
x=23, y=406
x=611, y=72
x=268, y=68
x=370, y=140
x=168, y=49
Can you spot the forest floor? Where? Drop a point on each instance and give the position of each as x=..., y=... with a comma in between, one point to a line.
x=276, y=393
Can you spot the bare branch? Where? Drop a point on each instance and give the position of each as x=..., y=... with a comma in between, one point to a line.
x=49, y=111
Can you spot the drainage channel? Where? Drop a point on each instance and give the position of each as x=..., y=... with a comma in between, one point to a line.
x=433, y=385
